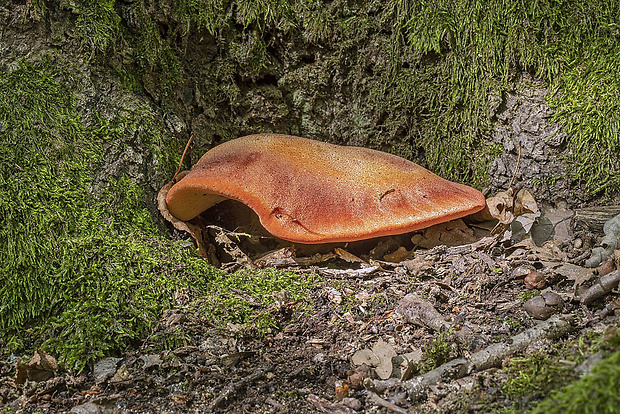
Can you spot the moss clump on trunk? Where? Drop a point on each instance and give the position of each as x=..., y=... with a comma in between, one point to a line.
x=84, y=271
x=412, y=78
x=88, y=272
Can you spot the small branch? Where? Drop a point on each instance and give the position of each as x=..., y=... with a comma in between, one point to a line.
x=191, y=138
x=324, y=406
x=234, y=387
x=491, y=356
x=386, y=404
x=602, y=287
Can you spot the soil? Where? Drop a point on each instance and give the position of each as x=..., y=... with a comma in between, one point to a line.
x=431, y=306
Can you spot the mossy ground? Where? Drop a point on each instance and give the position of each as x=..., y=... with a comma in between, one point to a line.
x=86, y=273
x=596, y=392
x=547, y=375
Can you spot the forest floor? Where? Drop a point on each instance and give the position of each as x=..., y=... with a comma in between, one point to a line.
x=455, y=318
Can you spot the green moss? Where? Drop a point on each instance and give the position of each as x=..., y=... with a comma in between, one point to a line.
x=534, y=374
x=464, y=51
x=437, y=353
x=529, y=294
x=523, y=382
x=82, y=274
x=418, y=75
x=597, y=392
x=98, y=24
x=247, y=297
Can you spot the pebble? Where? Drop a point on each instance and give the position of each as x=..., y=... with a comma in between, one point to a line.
x=352, y=403
x=535, y=280
x=543, y=306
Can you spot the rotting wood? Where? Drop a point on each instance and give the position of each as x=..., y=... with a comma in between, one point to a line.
x=595, y=217
x=491, y=356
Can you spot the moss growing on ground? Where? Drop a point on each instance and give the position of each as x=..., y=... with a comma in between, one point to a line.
x=86, y=273
x=82, y=274
x=545, y=375
x=596, y=392
x=254, y=297
x=531, y=376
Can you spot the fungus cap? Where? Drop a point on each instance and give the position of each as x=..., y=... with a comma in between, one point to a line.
x=308, y=191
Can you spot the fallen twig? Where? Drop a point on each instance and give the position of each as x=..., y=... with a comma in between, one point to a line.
x=325, y=406
x=602, y=287
x=386, y=404
x=491, y=356
x=350, y=273
x=189, y=141
x=232, y=388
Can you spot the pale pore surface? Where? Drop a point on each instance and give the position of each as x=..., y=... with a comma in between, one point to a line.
x=309, y=191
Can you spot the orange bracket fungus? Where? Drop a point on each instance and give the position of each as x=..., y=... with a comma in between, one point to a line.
x=311, y=192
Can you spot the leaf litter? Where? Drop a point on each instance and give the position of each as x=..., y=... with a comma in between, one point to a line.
x=418, y=322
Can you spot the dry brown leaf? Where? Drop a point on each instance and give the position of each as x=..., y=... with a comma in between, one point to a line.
x=452, y=233
x=347, y=257
x=500, y=206
x=385, y=352
x=524, y=203
x=192, y=229
x=41, y=367
x=399, y=255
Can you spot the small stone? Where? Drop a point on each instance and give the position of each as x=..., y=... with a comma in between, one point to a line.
x=352, y=403
x=87, y=408
x=552, y=299
x=105, y=368
x=543, y=306
x=535, y=280
x=578, y=243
